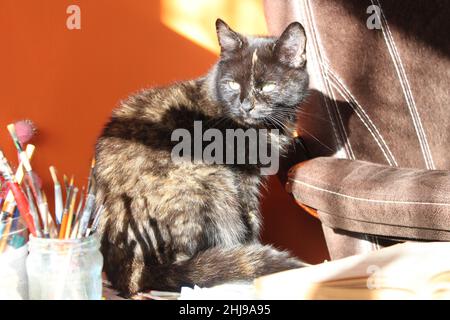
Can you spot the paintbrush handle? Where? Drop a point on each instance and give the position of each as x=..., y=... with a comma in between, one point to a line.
x=58, y=203
x=65, y=216
x=18, y=177
x=8, y=210
x=70, y=216
x=62, y=229
x=35, y=187
x=96, y=220
x=33, y=210
x=43, y=208
x=5, y=233
x=74, y=233
x=24, y=207
x=86, y=215
x=42, y=205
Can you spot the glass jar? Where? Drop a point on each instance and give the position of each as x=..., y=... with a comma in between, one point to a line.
x=65, y=269
x=13, y=254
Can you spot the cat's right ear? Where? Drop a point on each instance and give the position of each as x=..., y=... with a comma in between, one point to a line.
x=229, y=40
x=290, y=47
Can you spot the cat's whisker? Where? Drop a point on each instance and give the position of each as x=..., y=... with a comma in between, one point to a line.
x=313, y=116
x=275, y=118
x=217, y=122
x=278, y=122
x=317, y=139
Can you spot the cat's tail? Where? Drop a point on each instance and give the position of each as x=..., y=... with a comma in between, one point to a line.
x=215, y=266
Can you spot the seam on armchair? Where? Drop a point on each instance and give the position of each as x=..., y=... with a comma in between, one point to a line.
x=345, y=92
x=340, y=133
x=404, y=82
x=387, y=230
x=366, y=199
x=342, y=220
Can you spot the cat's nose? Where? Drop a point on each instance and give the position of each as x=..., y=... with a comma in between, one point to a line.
x=247, y=106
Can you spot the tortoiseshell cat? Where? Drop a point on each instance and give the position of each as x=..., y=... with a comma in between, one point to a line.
x=167, y=224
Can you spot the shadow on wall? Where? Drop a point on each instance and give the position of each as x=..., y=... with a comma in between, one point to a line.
x=68, y=81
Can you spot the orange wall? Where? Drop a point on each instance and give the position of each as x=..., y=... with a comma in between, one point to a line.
x=67, y=82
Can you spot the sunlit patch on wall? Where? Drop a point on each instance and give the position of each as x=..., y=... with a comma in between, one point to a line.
x=194, y=19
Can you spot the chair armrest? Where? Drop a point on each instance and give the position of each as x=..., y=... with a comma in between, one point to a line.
x=375, y=199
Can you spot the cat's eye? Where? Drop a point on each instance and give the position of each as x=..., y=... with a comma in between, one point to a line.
x=233, y=85
x=268, y=87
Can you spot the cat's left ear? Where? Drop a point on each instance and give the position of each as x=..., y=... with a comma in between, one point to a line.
x=290, y=48
x=229, y=40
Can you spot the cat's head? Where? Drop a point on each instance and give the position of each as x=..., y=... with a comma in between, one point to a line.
x=261, y=79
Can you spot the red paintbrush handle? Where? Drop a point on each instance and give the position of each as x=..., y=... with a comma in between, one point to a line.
x=24, y=207
x=3, y=188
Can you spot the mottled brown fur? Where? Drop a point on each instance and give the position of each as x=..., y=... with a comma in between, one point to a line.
x=167, y=224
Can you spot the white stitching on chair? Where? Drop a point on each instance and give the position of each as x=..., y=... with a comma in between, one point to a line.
x=339, y=131
x=338, y=112
x=407, y=92
x=368, y=200
x=326, y=85
x=339, y=85
x=315, y=43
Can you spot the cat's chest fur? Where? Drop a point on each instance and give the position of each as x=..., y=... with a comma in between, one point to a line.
x=190, y=205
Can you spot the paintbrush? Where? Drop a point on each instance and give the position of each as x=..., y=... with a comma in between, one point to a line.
x=81, y=203
x=20, y=198
x=89, y=203
x=86, y=215
x=35, y=187
x=9, y=204
x=51, y=223
x=66, y=185
x=33, y=209
x=19, y=177
x=17, y=240
x=77, y=216
x=73, y=234
x=6, y=231
x=96, y=221
x=7, y=212
x=69, y=186
x=70, y=217
x=62, y=228
x=58, y=196
x=90, y=178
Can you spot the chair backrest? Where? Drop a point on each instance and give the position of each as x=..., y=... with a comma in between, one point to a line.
x=380, y=75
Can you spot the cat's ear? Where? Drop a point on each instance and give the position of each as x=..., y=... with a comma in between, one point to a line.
x=229, y=40
x=290, y=47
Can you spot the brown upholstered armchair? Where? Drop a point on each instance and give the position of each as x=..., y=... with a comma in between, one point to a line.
x=376, y=126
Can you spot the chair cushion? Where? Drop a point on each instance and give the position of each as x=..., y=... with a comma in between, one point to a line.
x=375, y=199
